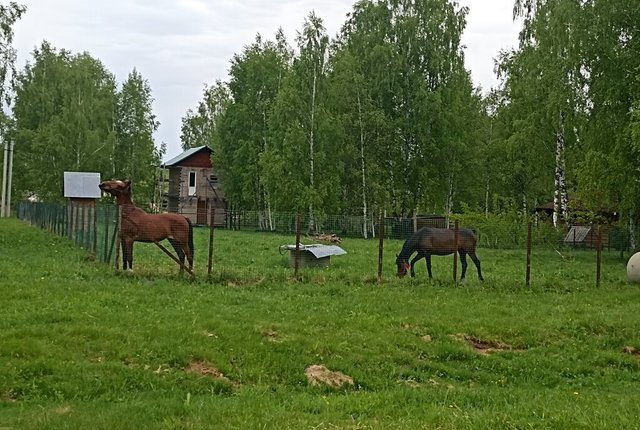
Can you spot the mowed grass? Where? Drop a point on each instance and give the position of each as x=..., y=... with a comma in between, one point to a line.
x=84, y=347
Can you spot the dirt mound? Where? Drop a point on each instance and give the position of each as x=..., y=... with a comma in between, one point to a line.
x=485, y=347
x=318, y=374
x=206, y=369
x=632, y=351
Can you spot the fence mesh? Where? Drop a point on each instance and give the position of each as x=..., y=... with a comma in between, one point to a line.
x=94, y=227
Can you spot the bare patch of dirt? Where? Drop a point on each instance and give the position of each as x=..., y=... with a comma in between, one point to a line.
x=206, y=369
x=631, y=351
x=271, y=335
x=485, y=347
x=7, y=396
x=411, y=383
x=63, y=410
x=331, y=238
x=318, y=374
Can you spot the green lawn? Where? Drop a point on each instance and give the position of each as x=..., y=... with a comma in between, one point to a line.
x=84, y=347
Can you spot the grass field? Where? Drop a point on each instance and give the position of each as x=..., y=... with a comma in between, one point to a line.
x=84, y=347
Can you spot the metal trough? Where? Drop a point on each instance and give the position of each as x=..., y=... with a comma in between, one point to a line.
x=314, y=255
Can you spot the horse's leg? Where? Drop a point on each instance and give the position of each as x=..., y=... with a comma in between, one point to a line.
x=190, y=249
x=177, y=246
x=476, y=261
x=123, y=245
x=427, y=257
x=416, y=258
x=463, y=261
x=129, y=244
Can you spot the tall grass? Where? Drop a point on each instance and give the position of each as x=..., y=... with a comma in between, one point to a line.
x=82, y=346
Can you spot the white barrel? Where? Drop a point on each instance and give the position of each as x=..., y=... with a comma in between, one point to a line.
x=633, y=268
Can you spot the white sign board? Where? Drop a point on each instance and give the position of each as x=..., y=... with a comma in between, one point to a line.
x=82, y=185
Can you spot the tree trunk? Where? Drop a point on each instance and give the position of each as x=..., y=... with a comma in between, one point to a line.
x=311, y=143
x=363, y=168
x=560, y=198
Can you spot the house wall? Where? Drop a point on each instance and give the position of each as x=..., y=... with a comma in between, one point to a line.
x=185, y=203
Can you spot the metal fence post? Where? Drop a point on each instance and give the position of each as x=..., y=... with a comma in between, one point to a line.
x=380, y=245
x=598, y=254
x=528, y=274
x=211, y=227
x=455, y=253
x=297, y=255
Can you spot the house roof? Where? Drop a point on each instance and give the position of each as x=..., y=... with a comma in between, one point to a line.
x=186, y=154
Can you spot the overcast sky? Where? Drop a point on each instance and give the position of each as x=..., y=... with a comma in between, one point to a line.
x=181, y=45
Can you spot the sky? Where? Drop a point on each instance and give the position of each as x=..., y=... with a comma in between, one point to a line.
x=179, y=46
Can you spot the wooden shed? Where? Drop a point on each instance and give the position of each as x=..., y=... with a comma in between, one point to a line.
x=586, y=236
x=193, y=189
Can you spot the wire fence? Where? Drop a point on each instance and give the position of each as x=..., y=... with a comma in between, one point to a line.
x=94, y=227
x=493, y=231
x=87, y=225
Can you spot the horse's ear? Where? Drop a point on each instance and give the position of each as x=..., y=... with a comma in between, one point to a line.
x=128, y=182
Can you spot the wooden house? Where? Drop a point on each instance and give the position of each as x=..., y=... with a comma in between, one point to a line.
x=193, y=188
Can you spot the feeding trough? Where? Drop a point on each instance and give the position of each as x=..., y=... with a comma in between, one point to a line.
x=314, y=255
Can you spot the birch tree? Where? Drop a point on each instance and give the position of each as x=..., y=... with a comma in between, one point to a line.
x=256, y=76
x=135, y=154
x=65, y=114
x=303, y=166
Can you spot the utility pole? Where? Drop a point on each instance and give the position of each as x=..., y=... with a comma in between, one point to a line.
x=9, y=178
x=4, y=180
x=7, y=173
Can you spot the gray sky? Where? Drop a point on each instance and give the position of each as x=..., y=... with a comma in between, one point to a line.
x=181, y=45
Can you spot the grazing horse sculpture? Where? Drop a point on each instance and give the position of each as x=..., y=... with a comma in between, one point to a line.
x=138, y=226
x=430, y=241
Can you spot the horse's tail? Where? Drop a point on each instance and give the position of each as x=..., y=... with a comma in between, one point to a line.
x=193, y=251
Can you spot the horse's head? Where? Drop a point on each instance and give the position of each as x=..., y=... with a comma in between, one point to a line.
x=116, y=188
x=403, y=266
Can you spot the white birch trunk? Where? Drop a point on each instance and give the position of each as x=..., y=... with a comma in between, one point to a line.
x=363, y=169
x=486, y=202
x=311, y=142
x=448, y=205
x=560, y=197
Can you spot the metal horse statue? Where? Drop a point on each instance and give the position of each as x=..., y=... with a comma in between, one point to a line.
x=139, y=226
x=430, y=241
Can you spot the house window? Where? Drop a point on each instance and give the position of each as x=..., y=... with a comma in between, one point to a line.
x=213, y=180
x=192, y=183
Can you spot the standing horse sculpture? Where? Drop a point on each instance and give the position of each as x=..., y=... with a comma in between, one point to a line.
x=138, y=226
x=430, y=241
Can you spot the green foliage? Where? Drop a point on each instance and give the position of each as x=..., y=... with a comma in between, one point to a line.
x=199, y=127
x=574, y=74
x=64, y=113
x=9, y=15
x=69, y=116
x=243, y=133
x=383, y=117
x=508, y=229
x=135, y=156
